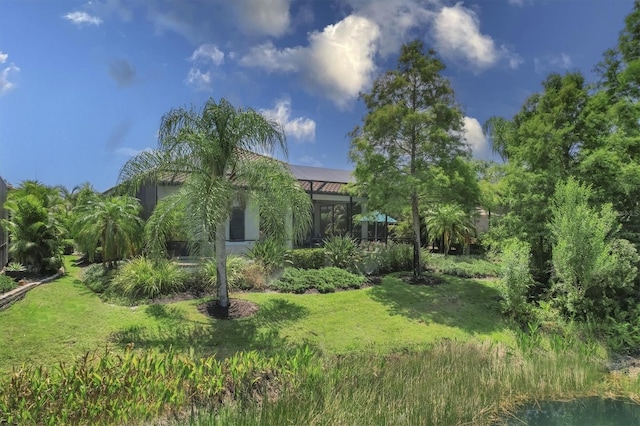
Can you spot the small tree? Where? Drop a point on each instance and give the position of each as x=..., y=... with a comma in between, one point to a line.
x=112, y=223
x=35, y=226
x=413, y=124
x=516, y=278
x=450, y=223
x=594, y=271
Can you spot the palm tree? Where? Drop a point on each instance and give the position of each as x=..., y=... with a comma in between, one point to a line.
x=213, y=149
x=112, y=223
x=451, y=223
x=35, y=226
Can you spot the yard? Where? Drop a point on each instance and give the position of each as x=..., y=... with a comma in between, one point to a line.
x=61, y=320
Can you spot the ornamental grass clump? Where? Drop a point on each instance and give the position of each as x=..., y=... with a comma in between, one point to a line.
x=144, y=278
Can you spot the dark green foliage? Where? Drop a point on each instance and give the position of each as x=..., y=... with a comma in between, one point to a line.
x=35, y=227
x=97, y=278
x=143, y=278
x=395, y=257
x=463, y=266
x=269, y=252
x=311, y=258
x=325, y=280
x=342, y=252
x=6, y=284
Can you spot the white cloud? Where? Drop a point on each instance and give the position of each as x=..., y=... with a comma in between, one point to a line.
x=338, y=62
x=476, y=138
x=265, y=17
x=208, y=52
x=552, y=62
x=395, y=19
x=299, y=128
x=5, y=84
x=457, y=34
x=199, y=80
x=81, y=18
x=310, y=161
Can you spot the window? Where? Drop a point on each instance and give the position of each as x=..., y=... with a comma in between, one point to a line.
x=236, y=224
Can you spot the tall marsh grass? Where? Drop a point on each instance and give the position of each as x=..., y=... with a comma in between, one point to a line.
x=451, y=383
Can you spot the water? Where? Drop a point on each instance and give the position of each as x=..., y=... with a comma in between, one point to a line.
x=579, y=412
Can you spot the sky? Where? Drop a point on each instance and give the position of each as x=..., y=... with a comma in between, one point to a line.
x=84, y=84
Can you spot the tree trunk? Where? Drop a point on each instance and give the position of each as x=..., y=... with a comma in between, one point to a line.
x=415, y=219
x=221, y=267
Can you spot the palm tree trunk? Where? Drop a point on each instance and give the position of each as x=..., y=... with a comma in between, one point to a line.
x=221, y=266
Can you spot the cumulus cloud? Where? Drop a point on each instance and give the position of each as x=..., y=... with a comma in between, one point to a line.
x=264, y=17
x=476, y=138
x=122, y=72
x=208, y=53
x=396, y=19
x=338, y=62
x=203, y=57
x=82, y=18
x=199, y=80
x=300, y=128
x=552, y=62
x=457, y=35
x=5, y=84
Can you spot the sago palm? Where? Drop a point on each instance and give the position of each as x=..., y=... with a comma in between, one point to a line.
x=211, y=149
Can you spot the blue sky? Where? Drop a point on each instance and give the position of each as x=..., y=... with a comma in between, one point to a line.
x=83, y=85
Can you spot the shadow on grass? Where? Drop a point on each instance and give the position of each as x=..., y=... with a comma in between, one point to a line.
x=462, y=303
x=220, y=337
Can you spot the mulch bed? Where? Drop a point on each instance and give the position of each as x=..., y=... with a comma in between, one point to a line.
x=423, y=280
x=238, y=308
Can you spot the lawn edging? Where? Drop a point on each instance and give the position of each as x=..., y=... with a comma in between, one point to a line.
x=8, y=298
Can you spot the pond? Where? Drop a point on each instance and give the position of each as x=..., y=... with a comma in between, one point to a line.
x=578, y=412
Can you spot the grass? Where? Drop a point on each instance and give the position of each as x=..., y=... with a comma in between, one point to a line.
x=462, y=266
x=61, y=320
x=394, y=353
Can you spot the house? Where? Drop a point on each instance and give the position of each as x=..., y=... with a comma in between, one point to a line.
x=333, y=207
x=4, y=236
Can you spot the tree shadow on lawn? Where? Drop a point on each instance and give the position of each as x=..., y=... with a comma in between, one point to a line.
x=221, y=337
x=462, y=303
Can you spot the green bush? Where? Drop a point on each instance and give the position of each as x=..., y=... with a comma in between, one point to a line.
x=6, y=284
x=236, y=266
x=342, y=252
x=325, y=280
x=97, y=278
x=462, y=266
x=395, y=257
x=269, y=253
x=516, y=279
x=310, y=258
x=143, y=278
x=68, y=246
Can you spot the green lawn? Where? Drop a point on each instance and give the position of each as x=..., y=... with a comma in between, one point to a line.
x=60, y=320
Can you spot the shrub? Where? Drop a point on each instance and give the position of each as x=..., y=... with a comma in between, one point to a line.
x=463, y=266
x=15, y=267
x=68, y=246
x=253, y=277
x=516, y=279
x=143, y=278
x=396, y=257
x=311, y=258
x=97, y=278
x=236, y=266
x=269, y=253
x=324, y=280
x=342, y=252
x=6, y=284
